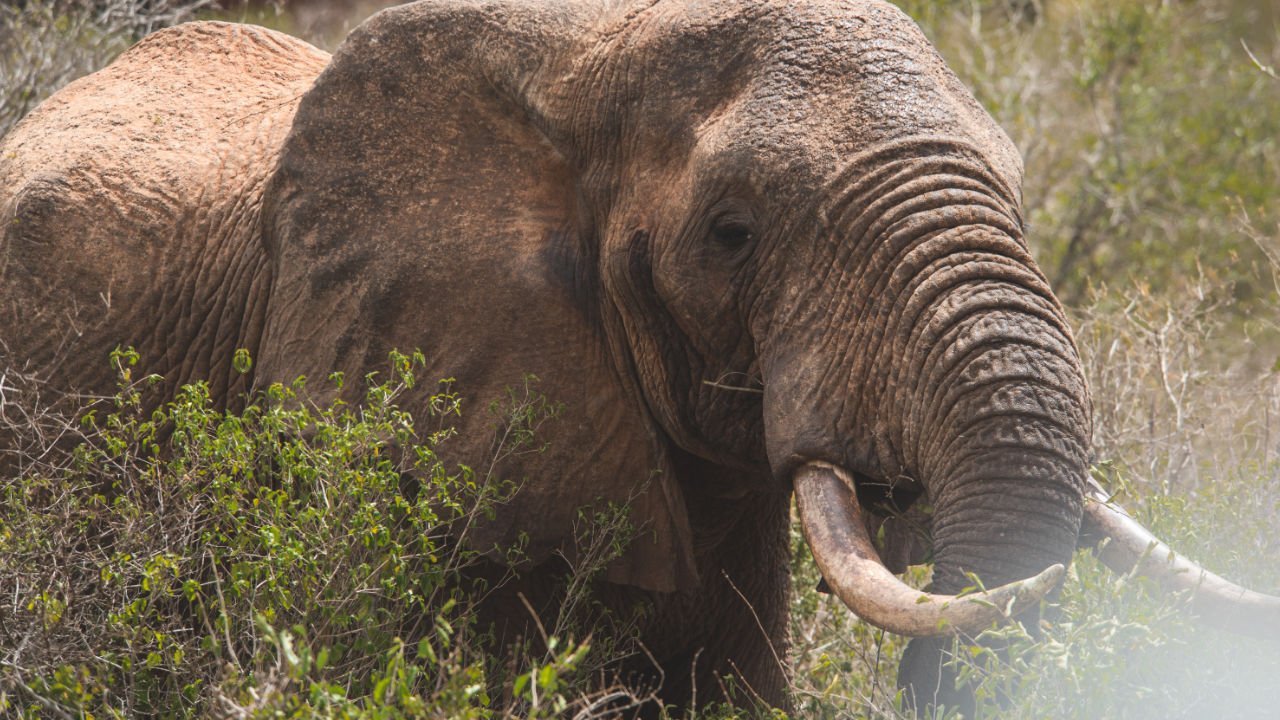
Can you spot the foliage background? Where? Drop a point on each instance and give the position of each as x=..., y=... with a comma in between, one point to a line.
x=1151, y=136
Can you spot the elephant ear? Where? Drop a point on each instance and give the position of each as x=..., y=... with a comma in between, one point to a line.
x=422, y=201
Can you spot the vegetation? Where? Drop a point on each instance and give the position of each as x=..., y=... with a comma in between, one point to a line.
x=182, y=564
x=275, y=561
x=1151, y=144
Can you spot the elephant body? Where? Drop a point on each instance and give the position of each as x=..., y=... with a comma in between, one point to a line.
x=734, y=240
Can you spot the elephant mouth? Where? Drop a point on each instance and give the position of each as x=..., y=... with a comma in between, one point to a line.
x=831, y=518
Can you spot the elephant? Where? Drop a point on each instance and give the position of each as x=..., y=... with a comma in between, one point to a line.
x=757, y=250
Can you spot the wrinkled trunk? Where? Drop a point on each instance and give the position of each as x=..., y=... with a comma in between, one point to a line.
x=998, y=427
x=1009, y=504
x=947, y=366
x=1005, y=513
x=1002, y=446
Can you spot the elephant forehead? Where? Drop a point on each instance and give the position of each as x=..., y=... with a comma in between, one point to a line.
x=801, y=84
x=687, y=43
x=829, y=89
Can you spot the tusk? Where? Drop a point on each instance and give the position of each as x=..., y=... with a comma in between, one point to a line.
x=1216, y=600
x=833, y=527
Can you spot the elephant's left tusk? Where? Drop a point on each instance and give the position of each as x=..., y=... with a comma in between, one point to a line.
x=1216, y=600
x=833, y=527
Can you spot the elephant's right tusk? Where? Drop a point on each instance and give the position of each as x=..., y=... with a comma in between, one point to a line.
x=833, y=527
x=1216, y=600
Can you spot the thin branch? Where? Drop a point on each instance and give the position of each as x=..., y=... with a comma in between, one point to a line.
x=758, y=391
x=1266, y=69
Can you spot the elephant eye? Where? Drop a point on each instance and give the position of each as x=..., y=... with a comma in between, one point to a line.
x=731, y=233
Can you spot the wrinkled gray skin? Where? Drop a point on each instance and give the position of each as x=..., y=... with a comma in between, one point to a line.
x=631, y=201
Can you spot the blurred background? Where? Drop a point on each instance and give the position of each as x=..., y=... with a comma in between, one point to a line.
x=1151, y=136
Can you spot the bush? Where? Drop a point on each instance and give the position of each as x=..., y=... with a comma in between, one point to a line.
x=285, y=560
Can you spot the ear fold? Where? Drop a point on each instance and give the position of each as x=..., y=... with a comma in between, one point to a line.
x=420, y=202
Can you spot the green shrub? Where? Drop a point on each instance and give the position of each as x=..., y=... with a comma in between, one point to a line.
x=286, y=560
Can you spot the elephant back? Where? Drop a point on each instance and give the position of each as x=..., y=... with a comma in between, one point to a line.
x=129, y=207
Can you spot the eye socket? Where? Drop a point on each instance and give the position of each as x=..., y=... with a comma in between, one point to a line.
x=732, y=232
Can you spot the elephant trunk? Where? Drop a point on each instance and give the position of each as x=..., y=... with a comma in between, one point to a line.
x=996, y=432
x=996, y=419
x=954, y=378
x=958, y=378
x=1009, y=508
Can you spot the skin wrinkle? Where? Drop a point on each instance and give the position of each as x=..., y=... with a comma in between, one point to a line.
x=894, y=198
x=979, y=485
x=974, y=514
x=975, y=293
x=957, y=441
x=951, y=400
x=953, y=218
x=869, y=311
x=955, y=294
x=980, y=491
x=223, y=321
x=970, y=277
x=922, y=287
x=956, y=232
x=958, y=287
x=890, y=204
x=976, y=455
x=153, y=207
x=966, y=436
x=903, y=244
x=929, y=155
x=879, y=281
x=221, y=284
x=973, y=299
x=968, y=387
x=994, y=405
x=839, y=264
x=965, y=433
x=837, y=312
x=935, y=444
x=991, y=549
